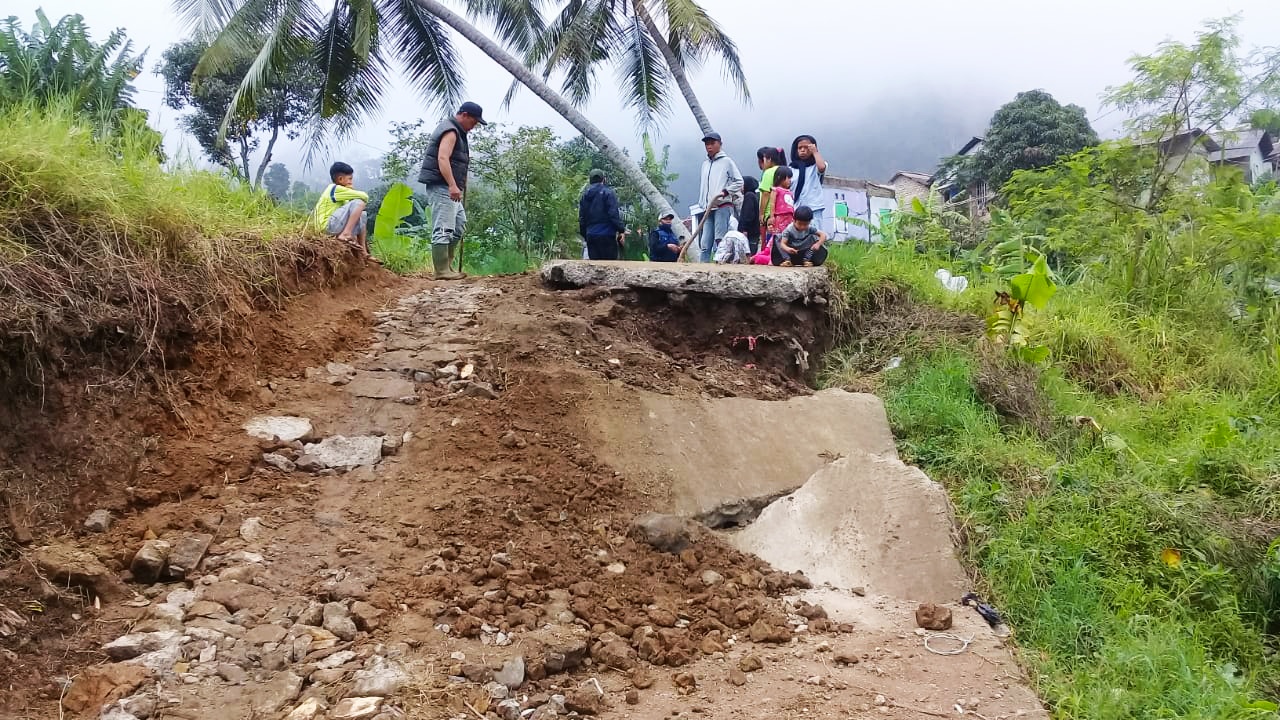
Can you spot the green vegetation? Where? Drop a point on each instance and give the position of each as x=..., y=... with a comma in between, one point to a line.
x=103, y=250
x=522, y=199
x=1112, y=442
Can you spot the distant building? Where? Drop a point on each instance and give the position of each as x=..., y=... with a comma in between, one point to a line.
x=974, y=198
x=908, y=186
x=856, y=206
x=1253, y=151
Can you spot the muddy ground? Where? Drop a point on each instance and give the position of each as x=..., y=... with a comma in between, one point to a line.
x=486, y=527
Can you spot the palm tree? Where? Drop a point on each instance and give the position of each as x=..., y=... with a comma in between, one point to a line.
x=586, y=33
x=355, y=42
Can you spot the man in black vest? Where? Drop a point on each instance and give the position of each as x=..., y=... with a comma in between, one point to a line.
x=444, y=172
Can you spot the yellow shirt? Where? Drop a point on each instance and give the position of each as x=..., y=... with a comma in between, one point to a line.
x=334, y=197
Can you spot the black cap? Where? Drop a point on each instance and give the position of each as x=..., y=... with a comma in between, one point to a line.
x=712, y=136
x=474, y=110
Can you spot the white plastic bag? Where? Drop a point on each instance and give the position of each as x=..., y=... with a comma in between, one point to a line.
x=954, y=283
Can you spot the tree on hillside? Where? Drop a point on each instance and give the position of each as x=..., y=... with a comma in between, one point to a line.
x=626, y=34
x=58, y=62
x=276, y=181
x=353, y=43
x=1208, y=86
x=284, y=106
x=1032, y=131
x=1266, y=119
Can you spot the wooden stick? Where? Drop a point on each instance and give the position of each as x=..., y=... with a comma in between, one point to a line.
x=697, y=233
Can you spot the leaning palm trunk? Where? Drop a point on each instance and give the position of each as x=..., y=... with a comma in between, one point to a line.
x=579, y=121
x=675, y=66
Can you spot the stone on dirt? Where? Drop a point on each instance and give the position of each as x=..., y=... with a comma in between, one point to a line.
x=67, y=565
x=480, y=389
x=512, y=672
x=366, y=616
x=764, y=632
x=932, y=616
x=96, y=686
x=187, y=554
x=236, y=596
x=737, y=677
x=277, y=693
x=279, y=462
x=130, y=646
x=338, y=621
x=150, y=560
x=667, y=533
x=382, y=678
x=587, y=700
x=750, y=663
x=250, y=529
x=99, y=521
x=308, y=710
x=356, y=708
x=379, y=386
x=233, y=674
x=283, y=428
x=346, y=452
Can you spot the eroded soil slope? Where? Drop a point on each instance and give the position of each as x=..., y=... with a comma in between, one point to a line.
x=443, y=537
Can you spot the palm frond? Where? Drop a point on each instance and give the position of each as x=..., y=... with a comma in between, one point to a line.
x=425, y=48
x=206, y=18
x=642, y=73
x=518, y=23
x=695, y=36
x=289, y=27
x=352, y=84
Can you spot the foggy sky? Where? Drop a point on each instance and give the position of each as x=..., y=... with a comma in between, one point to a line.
x=883, y=86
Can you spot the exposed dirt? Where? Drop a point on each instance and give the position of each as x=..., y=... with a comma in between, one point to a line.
x=492, y=527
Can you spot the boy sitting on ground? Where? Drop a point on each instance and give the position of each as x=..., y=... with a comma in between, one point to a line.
x=801, y=243
x=340, y=209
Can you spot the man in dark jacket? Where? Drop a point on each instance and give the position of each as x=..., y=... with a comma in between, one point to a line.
x=444, y=172
x=600, y=220
x=664, y=245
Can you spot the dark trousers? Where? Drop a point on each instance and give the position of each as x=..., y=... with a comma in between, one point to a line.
x=804, y=253
x=602, y=247
x=753, y=240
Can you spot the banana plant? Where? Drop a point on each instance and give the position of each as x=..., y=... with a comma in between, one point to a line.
x=1006, y=325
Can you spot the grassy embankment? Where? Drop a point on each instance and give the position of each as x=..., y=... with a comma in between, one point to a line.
x=107, y=256
x=1134, y=556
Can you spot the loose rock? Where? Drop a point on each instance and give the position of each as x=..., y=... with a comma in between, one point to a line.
x=666, y=533
x=150, y=560
x=346, y=452
x=382, y=678
x=737, y=677
x=338, y=622
x=283, y=428
x=134, y=644
x=308, y=710
x=98, y=521
x=512, y=673
x=278, y=461
x=931, y=616
x=187, y=554
x=750, y=663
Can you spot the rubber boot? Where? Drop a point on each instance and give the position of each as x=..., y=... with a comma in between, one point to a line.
x=440, y=261
x=453, y=258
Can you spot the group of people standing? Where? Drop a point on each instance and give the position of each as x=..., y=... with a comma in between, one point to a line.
x=776, y=219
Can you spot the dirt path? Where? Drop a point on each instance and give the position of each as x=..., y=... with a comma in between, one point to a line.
x=452, y=534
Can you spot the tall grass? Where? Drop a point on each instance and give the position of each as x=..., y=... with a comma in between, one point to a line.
x=1128, y=545
x=102, y=250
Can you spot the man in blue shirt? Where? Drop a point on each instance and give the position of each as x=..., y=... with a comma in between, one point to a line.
x=600, y=220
